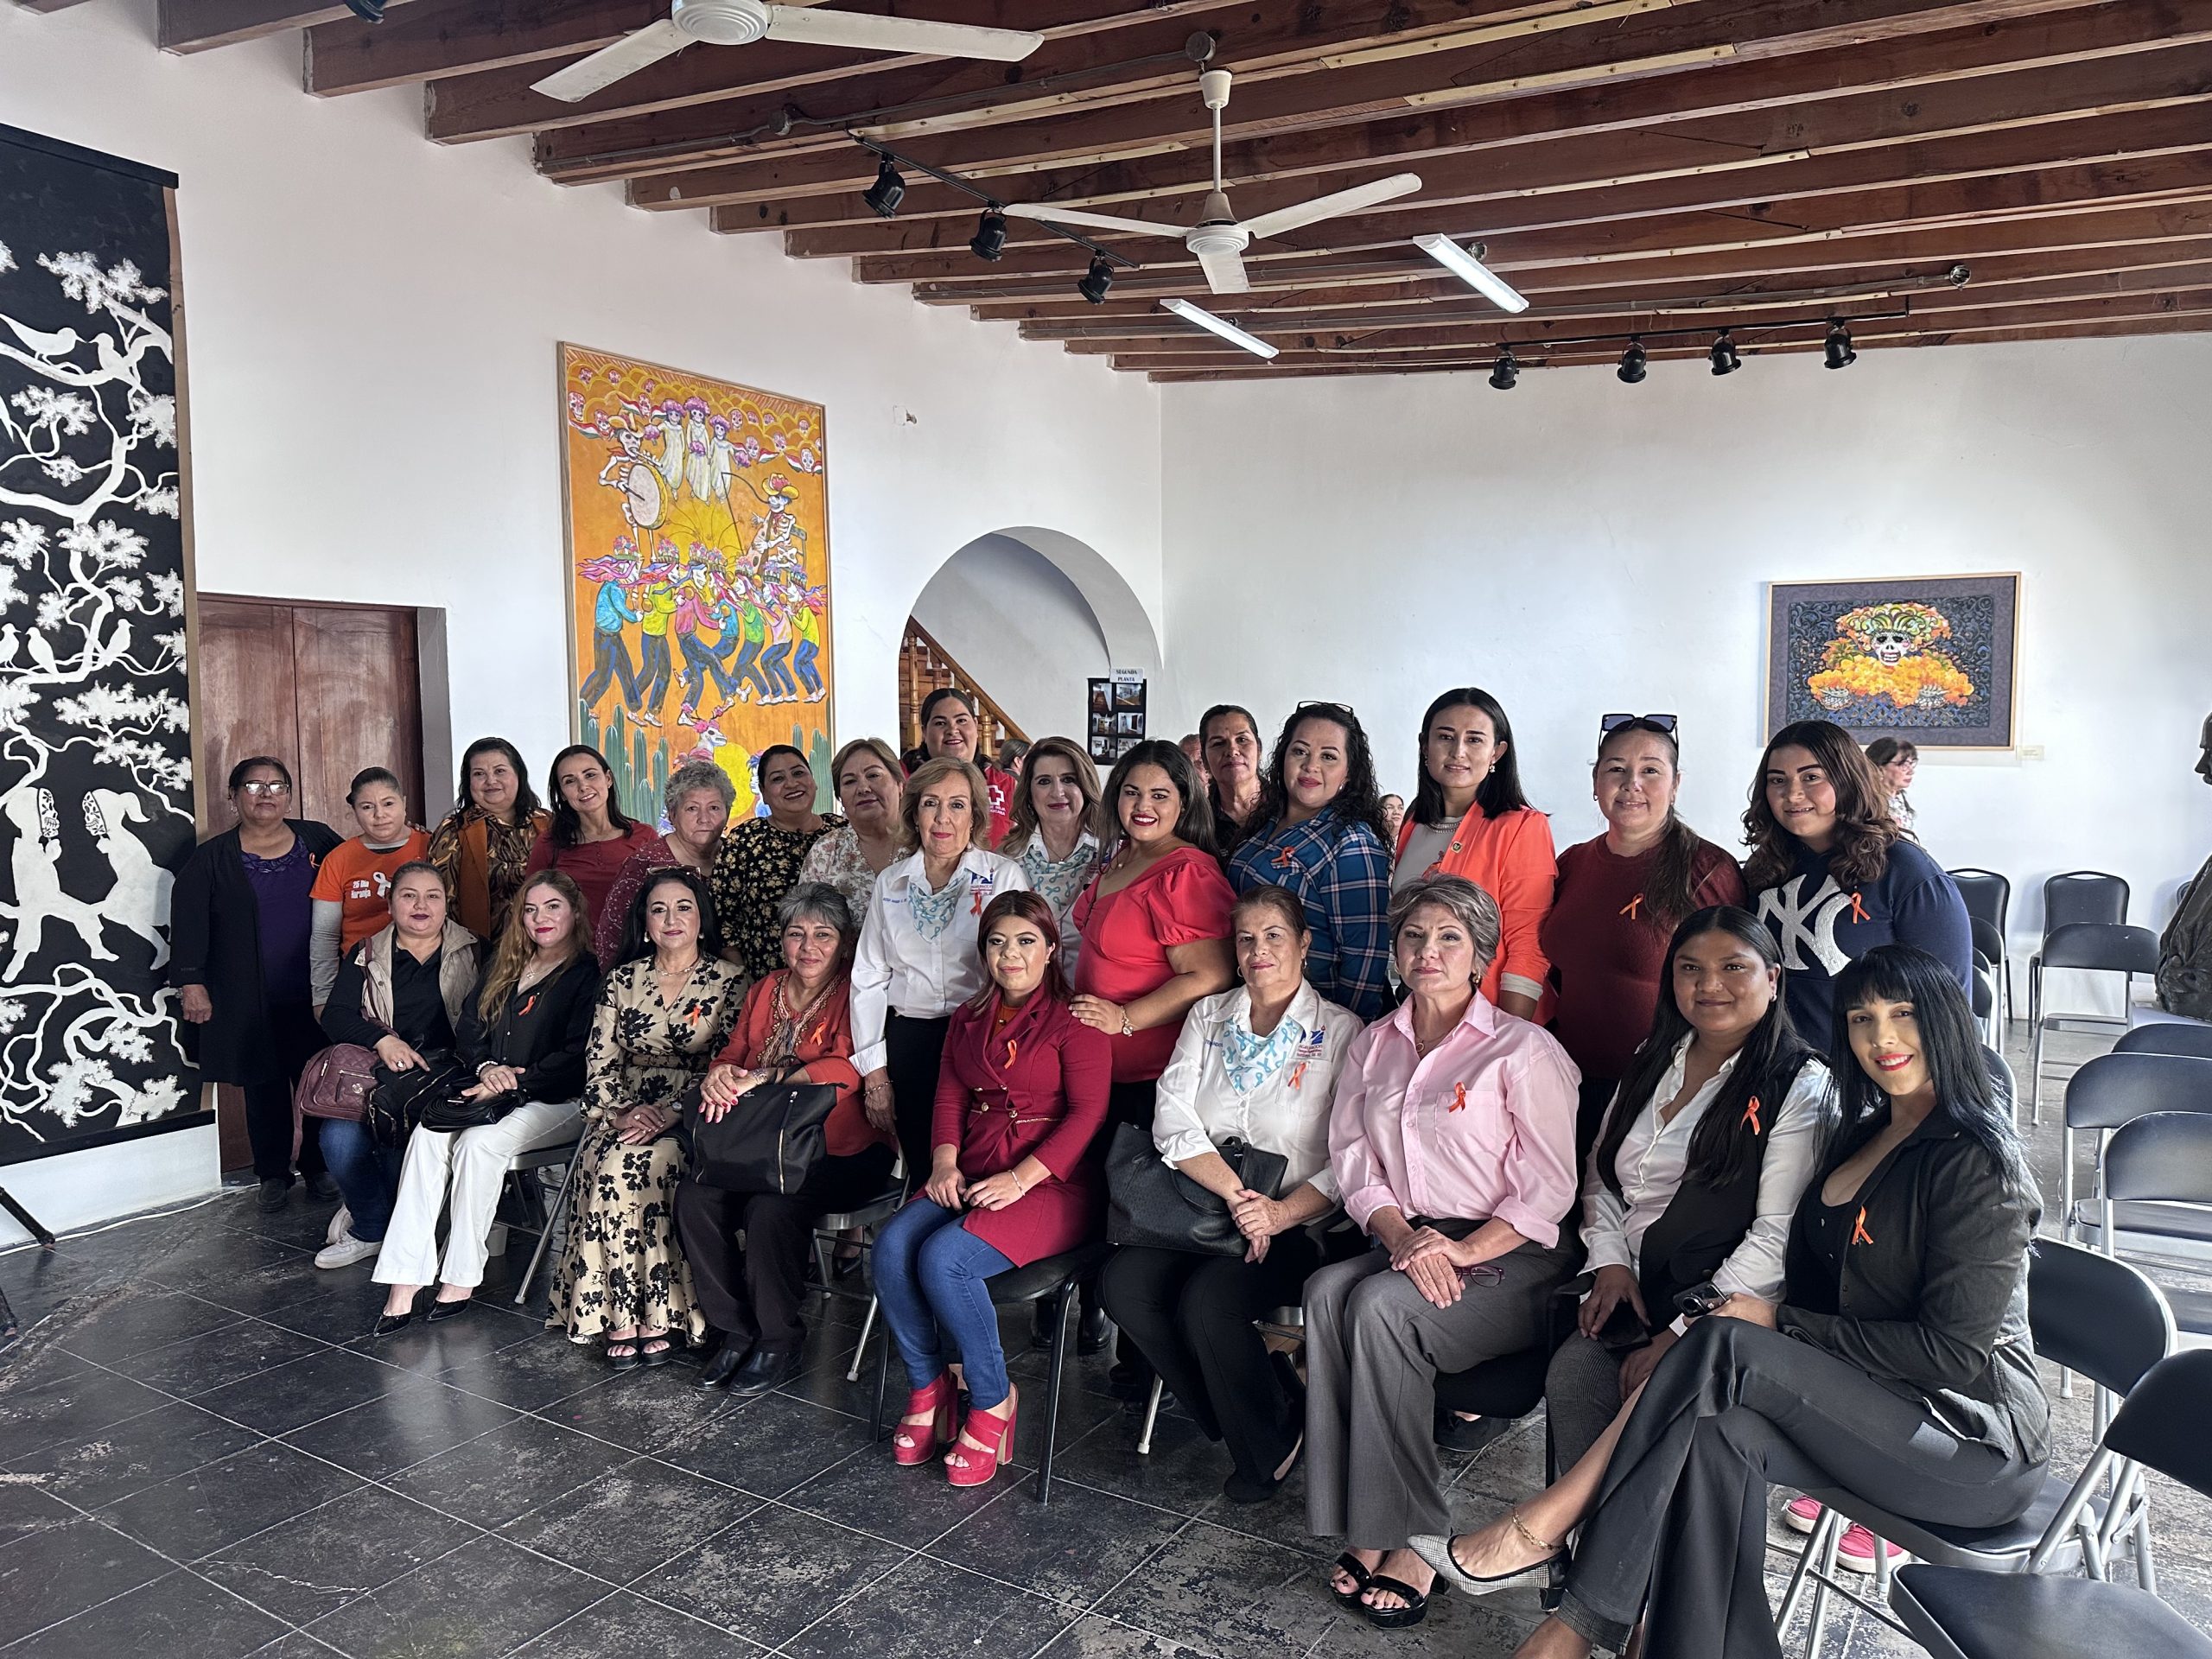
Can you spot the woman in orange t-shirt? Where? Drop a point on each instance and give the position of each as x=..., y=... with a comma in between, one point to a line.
x=352, y=893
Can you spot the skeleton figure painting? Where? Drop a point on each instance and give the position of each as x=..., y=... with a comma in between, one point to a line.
x=95, y=769
x=1930, y=655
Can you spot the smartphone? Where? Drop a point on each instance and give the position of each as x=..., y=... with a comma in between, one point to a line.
x=1701, y=1299
x=1621, y=1330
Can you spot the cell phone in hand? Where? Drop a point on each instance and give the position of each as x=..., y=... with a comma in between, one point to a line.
x=1622, y=1331
x=1701, y=1299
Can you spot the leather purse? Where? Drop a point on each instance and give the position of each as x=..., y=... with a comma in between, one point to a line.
x=1151, y=1203
x=337, y=1082
x=451, y=1114
x=770, y=1140
x=399, y=1099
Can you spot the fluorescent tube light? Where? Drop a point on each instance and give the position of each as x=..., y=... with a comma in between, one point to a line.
x=1228, y=330
x=1470, y=270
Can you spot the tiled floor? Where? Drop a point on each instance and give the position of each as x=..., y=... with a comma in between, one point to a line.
x=202, y=1453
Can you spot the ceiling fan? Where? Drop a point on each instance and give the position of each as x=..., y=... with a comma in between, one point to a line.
x=741, y=23
x=1219, y=238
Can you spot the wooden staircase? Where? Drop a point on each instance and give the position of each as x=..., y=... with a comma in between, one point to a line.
x=923, y=666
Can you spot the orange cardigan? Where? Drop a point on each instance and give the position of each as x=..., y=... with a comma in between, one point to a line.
x=1511, y=858
x=824, y=1048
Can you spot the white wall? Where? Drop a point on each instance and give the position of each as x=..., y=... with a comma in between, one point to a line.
x=1577, y=545
x=1021, y=629
x=371, y=323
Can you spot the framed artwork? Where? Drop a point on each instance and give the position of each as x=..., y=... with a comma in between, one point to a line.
x=698, y=573
x=95, y=723
x=1931, y=657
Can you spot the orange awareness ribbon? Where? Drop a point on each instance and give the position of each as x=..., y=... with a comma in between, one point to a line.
x=975, y=901
x=1858, y=910
x=1283, y=859
x=1634, y=905
x=1858, y=1233
x=1013, y=1048
x=1751, y=1114
x=529, y=1002
x=1459, y=1097
x=1297, y=1074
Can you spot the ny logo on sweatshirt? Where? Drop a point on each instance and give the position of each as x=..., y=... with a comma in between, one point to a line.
x=1806, y=927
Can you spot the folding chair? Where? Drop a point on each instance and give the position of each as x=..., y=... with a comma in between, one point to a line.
x=2161, y=1158
x=2116, y=1088
x=873, y=1212
x=2076, y=896
x=1988, y=900
x=531, y=1191
x=2190, y=1038
x=2094, y=947
x=1283, y=1322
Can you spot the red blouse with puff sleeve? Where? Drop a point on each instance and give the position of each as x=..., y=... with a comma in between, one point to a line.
x=1182, y=900
x=823, y=1046
x=1037, y=1087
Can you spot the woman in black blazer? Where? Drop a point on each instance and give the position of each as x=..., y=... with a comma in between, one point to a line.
x=240, y=923
x=1898, y=1365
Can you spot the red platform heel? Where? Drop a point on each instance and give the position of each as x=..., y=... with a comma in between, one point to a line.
x=909, y=1443
x=965, y=1465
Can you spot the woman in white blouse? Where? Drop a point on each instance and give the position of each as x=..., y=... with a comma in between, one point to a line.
x=865, y=774
x=917, y=959
x=1054, y=834
x=1257, y=1064
x=1697, y=1171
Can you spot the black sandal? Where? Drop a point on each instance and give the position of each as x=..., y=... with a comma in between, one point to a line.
x=623, y=1355
x=1350, y=1563
x=1397, y=1618
x=649, y=1355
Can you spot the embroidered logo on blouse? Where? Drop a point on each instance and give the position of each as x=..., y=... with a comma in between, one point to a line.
x=1634, y=905
x=1459, y=1097
x=1751, y=1114
x=1310, y=1045
x=979, y=888
x=1858, y=1233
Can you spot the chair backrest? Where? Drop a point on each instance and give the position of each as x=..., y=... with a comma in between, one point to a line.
x=2161, y=1423
x=1987, y=895
x=2095, y=1315
x=1987, y=939
x=2000, y=1073
x=1985, y=986
x=2108, y=947
x=2083, y=896
x=2179, y=1038
x=2161, y=1158
x=2116, y=1088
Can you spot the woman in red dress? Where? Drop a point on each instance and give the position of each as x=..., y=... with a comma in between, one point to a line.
x=1020, y=1096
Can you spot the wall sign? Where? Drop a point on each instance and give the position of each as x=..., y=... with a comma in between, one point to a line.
x=1118, y=711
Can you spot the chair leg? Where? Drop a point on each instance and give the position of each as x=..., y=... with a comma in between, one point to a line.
x=545, y=1233
x=1818, y=1633
x=867, y=1325
x=1053, y=1404
x=2035, y=1065
x=1151, y=1416
x=1794, y=1593
x=876, y=1428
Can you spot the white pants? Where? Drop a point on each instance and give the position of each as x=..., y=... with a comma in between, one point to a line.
x=476, y=1160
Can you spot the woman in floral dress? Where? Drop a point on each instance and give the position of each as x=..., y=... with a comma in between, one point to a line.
x=662, y=1018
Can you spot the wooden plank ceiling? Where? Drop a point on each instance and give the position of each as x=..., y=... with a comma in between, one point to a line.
x=1655, y=167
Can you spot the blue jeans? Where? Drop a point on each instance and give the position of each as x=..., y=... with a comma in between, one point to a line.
x=930, y=1275
x=367, y=1175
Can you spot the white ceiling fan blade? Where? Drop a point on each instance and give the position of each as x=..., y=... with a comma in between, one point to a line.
x=1360, y=197
x=648, y=46
x=1225, y=272
x=1052, y=216
x=807, y=26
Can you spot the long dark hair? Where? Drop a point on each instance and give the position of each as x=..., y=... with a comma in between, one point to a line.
x=1967, y=1094
x=1863, y=828
x=1766, y=1065
x=1360, y=801
x=527, y=805
x=637, y=940
x=1499, y=792
x=1671, y=888
x=567, y=827
x=1194, y=824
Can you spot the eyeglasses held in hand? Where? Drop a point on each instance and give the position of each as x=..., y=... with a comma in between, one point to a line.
x=1608, y=724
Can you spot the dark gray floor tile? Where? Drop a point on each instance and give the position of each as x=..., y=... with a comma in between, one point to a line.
x=179, y=1614
x=138, y=1453
x=290, y=1396
x=643, y=1410
x=925, y=1609
x=767, y=1445
x=339, y=1318
x=35, y=1360
x=194, y=1515
x=1231, y=1595
x=1183, y=1473
x=1075, y=1549
x=319, y=1561
x=631, y=1520
x=428, y=1350
x=1094, y=1637
x=772, y=1574
x=219, y=1260
x=532, y=1375
x=295, y=1644
x=133, y=1319
x=229, y=1353
x=397, y=1430
x=625, y=1626
x=500, y=1476
x=25, y=1508
x=1280, y=1520
x=870, y=1493
x=75, y=1407
x=54, y=1572
x=486, y=1598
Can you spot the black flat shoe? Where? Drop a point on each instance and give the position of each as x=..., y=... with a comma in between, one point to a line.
x=1455, y=1433
x=323, y=1188
x=764, y=1370
x=1093, y=1332
x=843, y=1266
x=723, y=1365
x=273, y=1194
x=1397, y=1618
x=442, y=1310
x=388, y=1323
x=1241, y=1488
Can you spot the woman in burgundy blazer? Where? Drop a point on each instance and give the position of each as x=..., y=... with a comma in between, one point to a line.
x=1021, y=1098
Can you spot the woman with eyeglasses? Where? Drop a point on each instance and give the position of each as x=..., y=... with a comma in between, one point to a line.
x=1896, y=758
x=1469, y=818
x=241, y=926
x=483, y=847
x=1619, y=895
x=1320, y=833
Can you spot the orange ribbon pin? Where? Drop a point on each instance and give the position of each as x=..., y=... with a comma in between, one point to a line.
x=1634, y=905
x=1013, y=1048
x=1297, y=1074
x=1858, y=910
x=976, y=902
x=1751, y=1114
x=1283, y=860
x=1459, y=1097
x=1858, y=1233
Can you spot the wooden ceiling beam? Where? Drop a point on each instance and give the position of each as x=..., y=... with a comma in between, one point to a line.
x=196, y=25
x=436, y=38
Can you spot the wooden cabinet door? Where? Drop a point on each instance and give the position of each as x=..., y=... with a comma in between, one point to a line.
x=242, y=659
x=358, y=693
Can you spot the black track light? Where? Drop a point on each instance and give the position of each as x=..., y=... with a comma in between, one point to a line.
x=1632, y=368
x=369, y=11
x=1841, y=356
x=1095, y=282
x=889, y=190
x=989, y=240
x=1725, y=361
x=1505, y=371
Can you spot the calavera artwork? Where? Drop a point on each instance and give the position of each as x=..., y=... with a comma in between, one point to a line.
x=1929, y=656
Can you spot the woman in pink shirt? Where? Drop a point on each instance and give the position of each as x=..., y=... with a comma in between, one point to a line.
x=1453, y=1143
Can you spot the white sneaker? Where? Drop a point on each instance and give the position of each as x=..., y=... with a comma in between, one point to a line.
x=346, y=1250
x=339, y=1223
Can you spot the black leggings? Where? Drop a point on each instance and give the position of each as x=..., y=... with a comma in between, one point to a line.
x=913, y=1049
x=1680, y=1532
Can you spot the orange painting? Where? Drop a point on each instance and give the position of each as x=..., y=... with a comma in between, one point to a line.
x=698, y=542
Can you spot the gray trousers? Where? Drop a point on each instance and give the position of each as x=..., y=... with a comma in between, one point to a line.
x=1374, y=1346
x=1582, y=1394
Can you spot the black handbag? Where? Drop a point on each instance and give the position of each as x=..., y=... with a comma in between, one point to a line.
x=396, y=1105
x=451, y=1114
x=770, y=1140
x=1151, y=1203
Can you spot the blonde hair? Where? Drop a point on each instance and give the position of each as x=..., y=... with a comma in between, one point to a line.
x=928, y=776
x=516, y=946
x=1023, y=825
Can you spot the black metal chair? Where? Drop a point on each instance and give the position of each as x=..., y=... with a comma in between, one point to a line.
x=2116, y=1088
x=1988, y=898
x=1989, y=943
x=2076, y=896
x=2161, y=1158
x=2088, y=1313
x=1985, y=994
x=538, y=1217
x=2185, y=1037
x=1054, y=1280
x=1960, y=1614
x=2092, y=947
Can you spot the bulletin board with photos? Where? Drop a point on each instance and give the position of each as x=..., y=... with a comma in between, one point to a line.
x=1116, y=720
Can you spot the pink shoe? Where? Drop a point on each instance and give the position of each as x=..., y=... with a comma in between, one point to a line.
x=1802, y=1513
x=1855, y=1549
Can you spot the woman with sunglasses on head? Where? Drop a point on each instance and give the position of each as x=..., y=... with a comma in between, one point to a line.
x=1320, y=833
x=590, y=837
x=1469, y=818
x=1619, y=895
x=1899, y=1366
x=483, y=847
